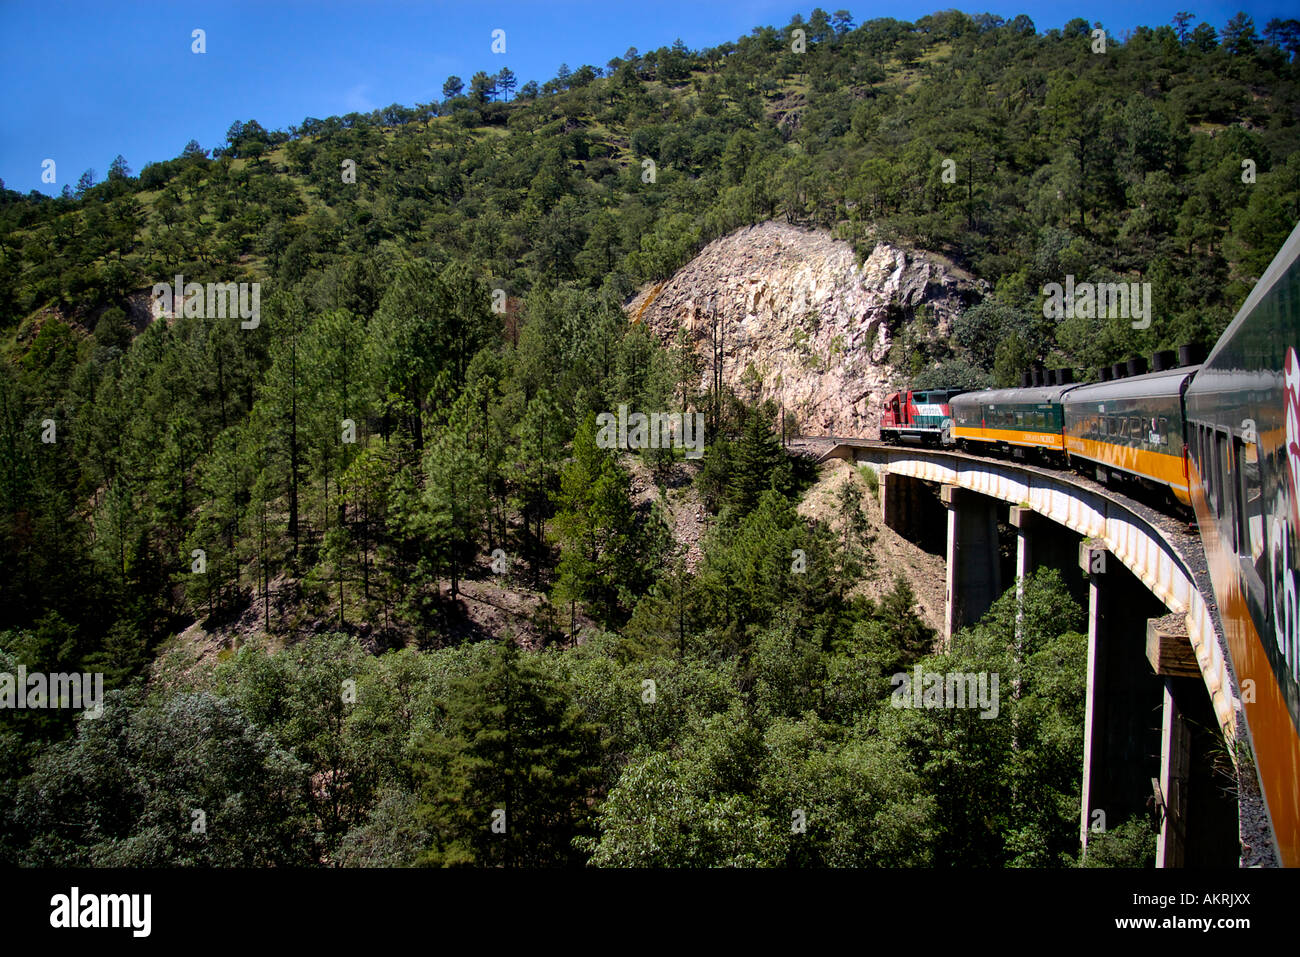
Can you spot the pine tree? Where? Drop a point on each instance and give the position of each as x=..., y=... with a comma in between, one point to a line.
x=607, y=551
x=506, y=82
x=757, y=458
x=281, y=410
x=508, y=780
x=540, y=446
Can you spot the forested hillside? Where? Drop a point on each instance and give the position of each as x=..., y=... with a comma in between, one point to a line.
x=442, y=291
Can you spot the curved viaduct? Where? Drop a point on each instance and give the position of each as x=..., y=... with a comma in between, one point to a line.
x=1164, y=723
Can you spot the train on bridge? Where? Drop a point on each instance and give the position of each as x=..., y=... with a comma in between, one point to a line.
x=1221, y=439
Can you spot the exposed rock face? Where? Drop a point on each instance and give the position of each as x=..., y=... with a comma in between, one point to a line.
x=794, y=307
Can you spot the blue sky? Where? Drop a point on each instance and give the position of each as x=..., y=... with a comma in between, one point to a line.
x=86, y=81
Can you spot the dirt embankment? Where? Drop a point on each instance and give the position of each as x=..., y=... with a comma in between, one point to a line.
x=892, y=555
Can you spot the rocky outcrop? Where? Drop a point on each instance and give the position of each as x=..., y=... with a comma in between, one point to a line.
x=797, y=313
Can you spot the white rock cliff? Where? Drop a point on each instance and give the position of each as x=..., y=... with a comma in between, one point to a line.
x=797, y=311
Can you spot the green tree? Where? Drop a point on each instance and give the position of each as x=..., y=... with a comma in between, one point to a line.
x=187, y=782
x=506, y=81
x=758, y=461
x=482, y=87
x=606, y=552
x=508, y=779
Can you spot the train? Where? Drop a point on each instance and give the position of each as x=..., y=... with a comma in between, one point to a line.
x=1218, y=437
x=1124, y=429
x=923, y=416
x=1242, y=413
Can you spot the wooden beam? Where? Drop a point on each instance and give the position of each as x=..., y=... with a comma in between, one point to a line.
x=1169, y=649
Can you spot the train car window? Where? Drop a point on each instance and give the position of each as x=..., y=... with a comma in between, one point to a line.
x=1206, y=467
x=1234, y=484
x=1252, y=501
x=1212, y=472
x=1208, y=470
x=1221, y=452
x=1136, y=432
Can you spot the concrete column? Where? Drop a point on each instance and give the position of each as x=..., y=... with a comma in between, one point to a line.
x=908, y=507
x=1022, y=519
x=1175, y=751
x=1198, y=819
x=974, y=578
x=1042, y=542
x=1091, y=558
x=1121, y=734
x=894, y=500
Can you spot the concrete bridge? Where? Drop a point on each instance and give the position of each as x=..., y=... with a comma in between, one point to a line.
x=1163, y=716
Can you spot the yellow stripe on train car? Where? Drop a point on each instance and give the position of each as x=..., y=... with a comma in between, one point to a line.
x=1157, y=466
x=1040, y=440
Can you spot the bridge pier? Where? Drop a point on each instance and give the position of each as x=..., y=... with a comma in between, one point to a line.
x=1121, y=732
x=897, y=501
x=1041, y=542
x=907, y=506
x=973, y=561
x=1198, y=814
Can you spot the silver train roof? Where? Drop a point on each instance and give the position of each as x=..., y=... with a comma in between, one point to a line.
x=1168, y=382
